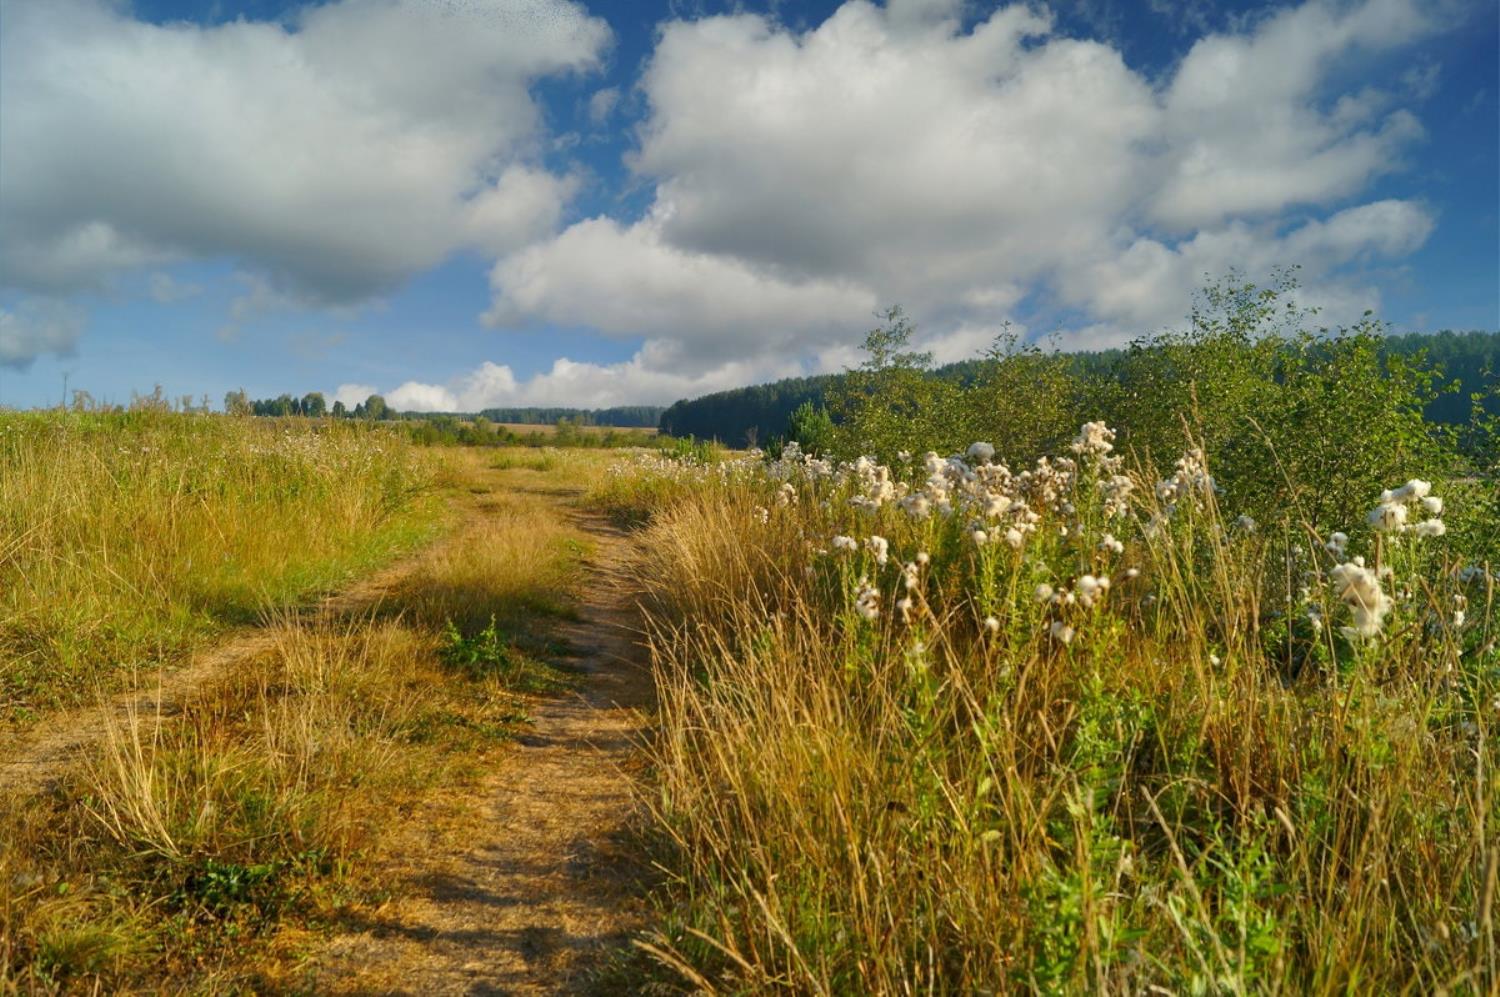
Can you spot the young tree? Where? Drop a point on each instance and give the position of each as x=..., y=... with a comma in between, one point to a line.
x=812, y=428
x=375, y=408
x=339, y=411
x=313, y=404
x=892, y=401
x=237, y=403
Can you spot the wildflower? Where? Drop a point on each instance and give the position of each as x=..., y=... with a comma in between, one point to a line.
x=909, y=575
x=1388, y=517
x=867, y=600
x=762, y=514
x=786, y=494
x=917, y=505
x=923, y=557
x=1132, y=572
x=1094, y=439
x=1337, y=543
x=1245, y=524
x=1430, y=528
x=981, y=453
x=845, y=544
x=1014, y=537
x=1214, y=660
x=1112, y=545
x=1061, y=632
x=1090, y=588
x=1043, y=592
x=1458, y=618
x=991, y=625
x=1433, y=504
x=1360, y=590
x=903, y=456
x=903, y=605
x=996, y=505
x=880, y=547
x=980, y=537
x=1412, y=491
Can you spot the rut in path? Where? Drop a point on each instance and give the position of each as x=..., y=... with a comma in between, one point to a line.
x=33, y=759
x=546, y=887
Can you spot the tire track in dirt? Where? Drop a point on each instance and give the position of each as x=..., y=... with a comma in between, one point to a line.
x=32, y=759
x=547, y=883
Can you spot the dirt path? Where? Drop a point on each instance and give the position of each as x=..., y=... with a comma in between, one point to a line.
x=33, y=758
x=547, y=885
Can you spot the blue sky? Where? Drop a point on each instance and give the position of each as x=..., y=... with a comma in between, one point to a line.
x=462, y=203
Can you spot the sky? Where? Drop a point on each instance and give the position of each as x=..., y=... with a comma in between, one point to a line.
x=471, y=203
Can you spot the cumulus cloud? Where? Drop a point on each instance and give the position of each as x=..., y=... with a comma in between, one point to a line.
x=1141, y=287
x=354, y=145
x=35, y=327
x=893, y=154
x=622, y=280
x=352, y=394
x=637, y=381
x=799, y=179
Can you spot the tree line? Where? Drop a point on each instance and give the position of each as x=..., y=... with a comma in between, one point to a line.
x=315, y=405
x=1466, y=363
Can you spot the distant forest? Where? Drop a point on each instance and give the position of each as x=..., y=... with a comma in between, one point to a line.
x=760, y=414
x=374, y=407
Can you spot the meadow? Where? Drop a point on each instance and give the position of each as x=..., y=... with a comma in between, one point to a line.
x=1203, y=701
x=209, y=838
x=128, y=539
x=959, y=688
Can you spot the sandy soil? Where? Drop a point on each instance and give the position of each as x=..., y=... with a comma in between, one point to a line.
x=545, y=884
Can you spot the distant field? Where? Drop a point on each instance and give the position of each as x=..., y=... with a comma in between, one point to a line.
x=549, y=429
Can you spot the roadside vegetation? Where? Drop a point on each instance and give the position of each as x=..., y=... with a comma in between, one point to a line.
x=127, y=539
x=1203, y=700
x=209, y=847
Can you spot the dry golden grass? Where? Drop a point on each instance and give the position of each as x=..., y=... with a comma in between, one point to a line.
x=1169, y=801
x=208, y=849
x=127, y=539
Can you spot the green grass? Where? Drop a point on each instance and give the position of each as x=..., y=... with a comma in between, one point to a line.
x=1198, y=792
x=128, y=539
x=207, y=853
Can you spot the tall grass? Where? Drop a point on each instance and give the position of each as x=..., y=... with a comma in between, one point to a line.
x=920, y=770
x=124, y=538
x=203, y=851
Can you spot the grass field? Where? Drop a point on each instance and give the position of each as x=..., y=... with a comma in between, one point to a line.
x=209, y=848
x=934, y=725
x=547, y=429
x=939, y=727
x=128, y=539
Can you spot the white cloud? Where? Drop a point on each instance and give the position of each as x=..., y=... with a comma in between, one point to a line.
x=37, y=326
x=637, y=381
x=352, y=394
x=602, y=104
x=1141, y=287
x=166, y=289
x=803, y=178
x=799, y=179
x=1243, y=126
x=356, y=145
x=696, y=308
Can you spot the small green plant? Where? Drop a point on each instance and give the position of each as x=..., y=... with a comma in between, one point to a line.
x=492, y=654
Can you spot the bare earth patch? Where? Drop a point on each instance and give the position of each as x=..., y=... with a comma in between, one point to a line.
x=540, y=883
